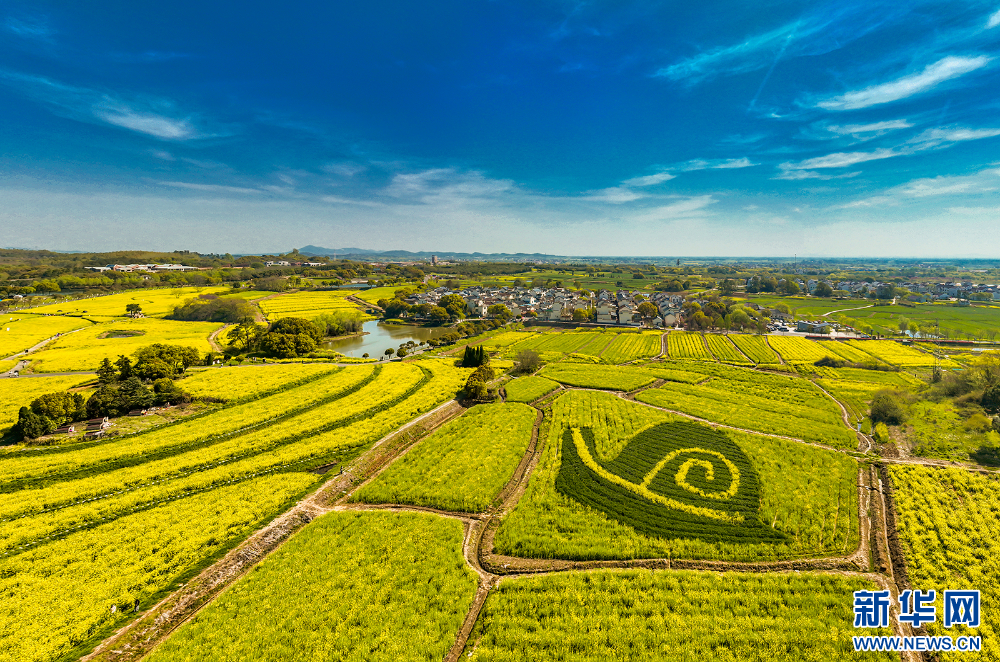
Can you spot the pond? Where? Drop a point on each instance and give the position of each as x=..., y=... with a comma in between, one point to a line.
x=380, y=337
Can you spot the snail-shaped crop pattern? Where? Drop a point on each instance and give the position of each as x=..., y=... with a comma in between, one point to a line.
x=675, y=480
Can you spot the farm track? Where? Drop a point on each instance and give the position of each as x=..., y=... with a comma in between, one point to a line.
x=216, y=347
x=138, y=638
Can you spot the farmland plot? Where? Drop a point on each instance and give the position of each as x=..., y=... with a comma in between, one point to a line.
x=19, y=332
x=566, y=342
x=16, y=393
x=598, y=376
x=393, y=586
x=948, y=527
x=232, y=383
x=807, y=496
x=725, y=351
x=154, y=303
x=795, y=408
x=460, y=467
x=755, y=347
x=898, y=354
x=83, y=350
x=529, y=389
x=685, y=345
x=795, y=349
x=683, y=616
x=631, y=346
x=308, y=304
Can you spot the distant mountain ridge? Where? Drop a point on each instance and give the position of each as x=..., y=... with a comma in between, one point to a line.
x=443, y=255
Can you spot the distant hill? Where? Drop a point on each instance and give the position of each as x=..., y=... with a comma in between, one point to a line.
x=422, y=255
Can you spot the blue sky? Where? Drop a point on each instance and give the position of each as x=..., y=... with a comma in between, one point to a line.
x=715, y=128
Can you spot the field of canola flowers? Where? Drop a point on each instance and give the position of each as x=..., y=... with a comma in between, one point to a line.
x=462, y=466
x=182, y=504
x=685, y=345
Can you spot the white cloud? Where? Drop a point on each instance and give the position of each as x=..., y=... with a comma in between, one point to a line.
x=901, y=88
x=840, y=160
x=345, y=168
x=866, y=130
x=615, y=195
x=694, y=207
x=152, y=117
x=649, y=180
x=810, y=174
x=154, y=125
x=994, y=20
x=944, y=135
x=214, y=188
x=446, y=186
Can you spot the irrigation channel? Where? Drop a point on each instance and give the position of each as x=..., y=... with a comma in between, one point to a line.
x=878, y=557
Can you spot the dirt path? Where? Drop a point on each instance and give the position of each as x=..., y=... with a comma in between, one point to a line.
x=862, y=438
x=38, y=346
x=215, y=334
x=844, y=310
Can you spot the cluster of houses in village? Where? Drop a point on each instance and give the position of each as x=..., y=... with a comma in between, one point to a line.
x=558, y=304
x=142, y=267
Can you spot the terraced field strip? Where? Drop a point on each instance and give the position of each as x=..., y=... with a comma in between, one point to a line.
x=725, y=351
x=24, y=471
x=794, y=349
x=308, y=304
x=631, y=346
x=897, y=354
x=688, y=345
x=755, y=348
x=596, y=376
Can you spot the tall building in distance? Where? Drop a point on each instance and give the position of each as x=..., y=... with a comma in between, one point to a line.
x=434, y=260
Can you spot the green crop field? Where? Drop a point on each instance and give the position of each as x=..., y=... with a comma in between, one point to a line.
x=460, y=467
x=726, y=351
x=506, y=339
x=848, y=352
x=585, y=510
x=529, y=389
x=773, y=404
x=631, y=346
x=597, y=376
x=948, y=527
x=20, y=332
x=685, y=616
x=83, y=350
x=565, y=342
x=755, y=347
x=685, y=345
x=379, y=586
x=231, y=383
x=309, y=304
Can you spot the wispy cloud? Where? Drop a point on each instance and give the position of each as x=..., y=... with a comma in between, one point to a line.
x=716, y=164
x=994, y=20
x=907, y=86
x=615, y=195
x=213, y=188
x=811, y=174
x=35, y=28
x=822, y=31
x=446, y=186
x=153, y=117
x=868, y=130
x=986, y=181
x=931, y=139
x=649, y=180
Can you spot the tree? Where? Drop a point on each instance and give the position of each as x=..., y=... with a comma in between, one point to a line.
x=439, y=315
x=527, y=361
x=648, y=310
x=823, y=289
x=389, y=352
x=728, y=286
x=789, y=287
x=886, y=408
x=246, y=334
x=31, y=426
x=298, y=325
x=133, y=394
x=167, y=390
x=124, y=366
x=162, y=360
x=474, y=357
x=395, y=308
x=106, y=373
x=133, y=309
x=402, y=351
x=454, y=304
x=499, y=310
x=581, y=315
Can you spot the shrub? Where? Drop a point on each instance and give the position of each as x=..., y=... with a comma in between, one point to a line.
x=886, y=408
x=527, y=361
x=210, y=308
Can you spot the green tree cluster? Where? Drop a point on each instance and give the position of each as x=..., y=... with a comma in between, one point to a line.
x=474, y=357
x=48, y=412
x=212, y=308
